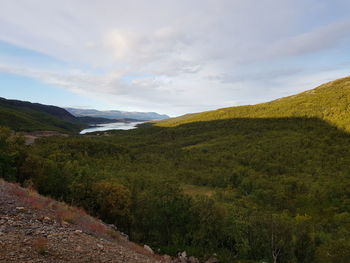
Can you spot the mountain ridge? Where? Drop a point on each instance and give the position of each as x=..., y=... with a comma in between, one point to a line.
x=50, y=109
x=27, y=116
x=116, y=114
x=329, y=101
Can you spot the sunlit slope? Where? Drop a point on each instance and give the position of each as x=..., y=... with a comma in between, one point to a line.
x=330, y=102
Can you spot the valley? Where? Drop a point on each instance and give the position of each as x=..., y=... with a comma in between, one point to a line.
x=246, y=183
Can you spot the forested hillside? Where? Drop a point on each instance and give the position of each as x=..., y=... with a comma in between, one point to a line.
x=27, y=116
x=251, y=189
x=330, y=102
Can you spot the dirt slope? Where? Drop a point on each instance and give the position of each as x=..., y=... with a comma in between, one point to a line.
x=38, y=229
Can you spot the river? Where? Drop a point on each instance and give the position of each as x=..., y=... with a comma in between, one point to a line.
x=111, y=126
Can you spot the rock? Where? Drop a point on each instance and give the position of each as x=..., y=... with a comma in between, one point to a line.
x=125, y=236
x=100, y=246
x=113, y=227
x=20, y=208
x=29, y=232
x=193, y=260
x=78, y=231
x=167, y=259
x=148, y=249
x=212, y=260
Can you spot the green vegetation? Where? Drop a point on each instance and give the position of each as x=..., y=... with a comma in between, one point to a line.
x=25, y=116
x=330, y=102
x=262, y=189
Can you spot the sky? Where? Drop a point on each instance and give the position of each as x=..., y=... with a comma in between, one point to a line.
x=169, y=56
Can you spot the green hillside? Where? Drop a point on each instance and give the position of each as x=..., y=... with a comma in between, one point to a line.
x=330, y=102
x=26, y=116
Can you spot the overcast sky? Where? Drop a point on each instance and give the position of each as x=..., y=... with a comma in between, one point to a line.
x=169, y=56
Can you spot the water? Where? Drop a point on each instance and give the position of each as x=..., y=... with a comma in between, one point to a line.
x=112, y=126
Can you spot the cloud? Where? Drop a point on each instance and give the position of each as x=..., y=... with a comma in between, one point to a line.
x=322, y=38
x=177, y=56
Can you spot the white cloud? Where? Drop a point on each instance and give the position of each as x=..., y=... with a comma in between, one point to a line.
x=178, y=56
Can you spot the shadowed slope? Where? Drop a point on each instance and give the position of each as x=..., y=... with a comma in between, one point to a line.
x=27, y=116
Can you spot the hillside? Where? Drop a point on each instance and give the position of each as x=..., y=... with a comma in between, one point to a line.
x=38, y=229
x=330, y=102
x=27, y=116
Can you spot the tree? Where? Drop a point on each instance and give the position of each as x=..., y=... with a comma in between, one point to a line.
x=11, y=151
x=112, y=202
x=163, y=213
x=207, y=223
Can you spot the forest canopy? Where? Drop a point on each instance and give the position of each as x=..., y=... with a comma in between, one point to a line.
x=250, y=190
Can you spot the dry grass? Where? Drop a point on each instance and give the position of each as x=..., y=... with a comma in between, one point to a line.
x=29, y=196
x=64, y=213
x=40, y=245
x=141, y=250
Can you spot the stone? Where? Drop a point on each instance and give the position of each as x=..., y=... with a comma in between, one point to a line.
x=193, y=260
x=212, y=260
x=167, y=259
x=148, y=248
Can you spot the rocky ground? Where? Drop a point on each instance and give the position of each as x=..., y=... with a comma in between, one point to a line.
x=36, y=229
x=32, y=229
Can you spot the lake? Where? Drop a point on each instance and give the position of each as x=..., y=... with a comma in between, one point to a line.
x=111, y=126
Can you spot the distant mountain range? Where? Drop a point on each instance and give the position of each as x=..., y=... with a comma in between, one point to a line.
x=27, y=116
x=116, y=114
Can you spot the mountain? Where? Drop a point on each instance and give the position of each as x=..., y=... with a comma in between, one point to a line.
x=26, y=116
x=115, y=114
x=330, y=102
x=49, y=109
x=99, y=120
